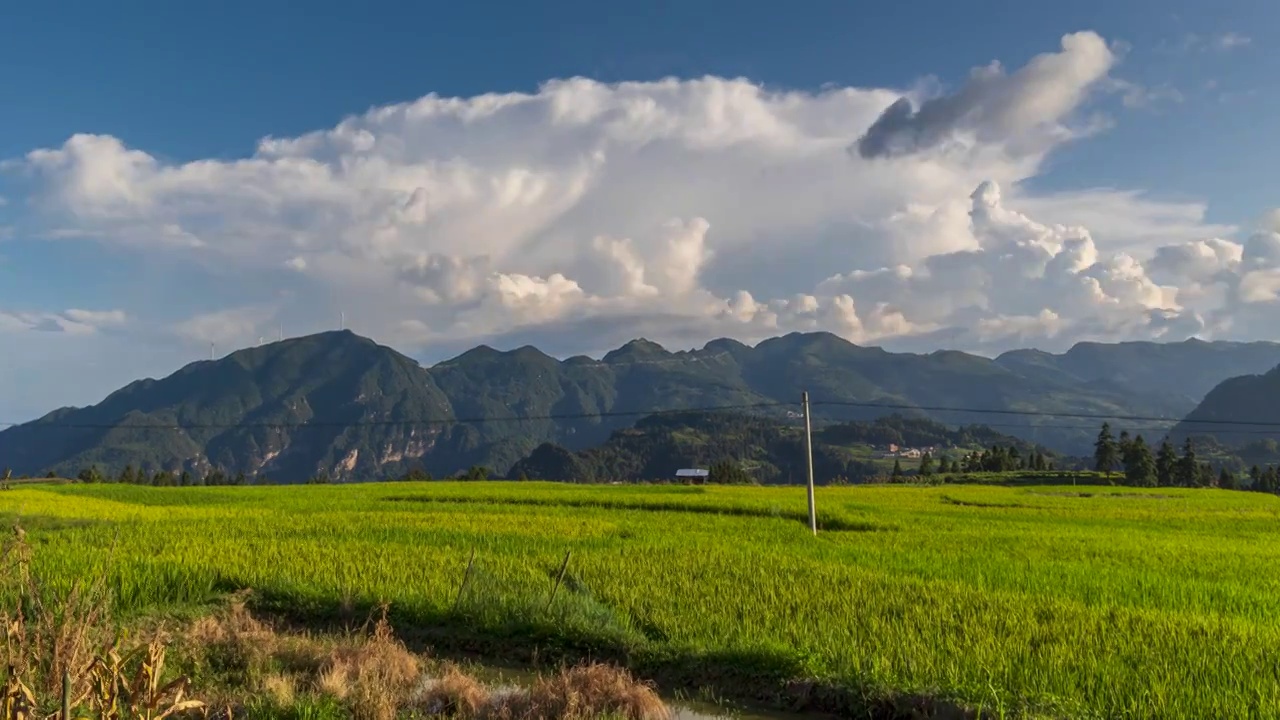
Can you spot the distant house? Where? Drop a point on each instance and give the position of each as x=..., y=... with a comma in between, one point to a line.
x=894, y=451
x=691, y=475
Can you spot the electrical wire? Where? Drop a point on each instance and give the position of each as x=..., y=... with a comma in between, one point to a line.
x=395, y=423
x=1270, y=426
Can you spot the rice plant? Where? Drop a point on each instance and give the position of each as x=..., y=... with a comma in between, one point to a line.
x=1038, y=601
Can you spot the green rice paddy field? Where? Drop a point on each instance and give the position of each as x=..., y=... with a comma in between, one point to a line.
x=1054, y=601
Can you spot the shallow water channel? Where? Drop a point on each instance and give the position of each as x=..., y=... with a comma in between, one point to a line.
x=682, y=708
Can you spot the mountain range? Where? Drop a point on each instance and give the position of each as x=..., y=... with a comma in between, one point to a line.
x=1238, y=411
x=344, y=405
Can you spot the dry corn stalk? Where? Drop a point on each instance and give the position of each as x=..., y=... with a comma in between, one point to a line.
x=143, y=696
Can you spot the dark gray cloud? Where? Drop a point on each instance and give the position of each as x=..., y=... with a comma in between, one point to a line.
x=994, y=106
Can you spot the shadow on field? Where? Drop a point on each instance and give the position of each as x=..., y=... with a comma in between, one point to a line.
x=982, y=503
x=827, y=521
x=774, y=679
x=44, y=522
x=1085, y=494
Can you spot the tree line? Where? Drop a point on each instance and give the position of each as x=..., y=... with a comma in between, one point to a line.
x=997, y=458
x=216, y=476
x=166, y=478
x=1137, y=465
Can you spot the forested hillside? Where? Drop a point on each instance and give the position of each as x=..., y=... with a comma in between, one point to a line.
x=342, y=406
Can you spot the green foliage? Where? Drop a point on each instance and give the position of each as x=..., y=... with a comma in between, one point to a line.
x=1105, y=451
x=1186, y=471
x=1019, y=597
x=417, y=474
x=475, y=472
x=926, y=465
x=1139, y=465
x=996, y=459
x=727, y=472
x=549, y=461
x=1166, y=464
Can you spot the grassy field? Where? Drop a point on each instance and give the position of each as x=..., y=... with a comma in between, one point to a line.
x=1055, y=601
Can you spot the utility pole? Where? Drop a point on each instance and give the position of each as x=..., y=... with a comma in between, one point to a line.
x=808, y=453
x=210, y=351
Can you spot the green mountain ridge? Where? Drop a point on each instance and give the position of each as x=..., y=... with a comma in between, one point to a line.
x=1239, y=411
x=343, y=405
x=1185, y=371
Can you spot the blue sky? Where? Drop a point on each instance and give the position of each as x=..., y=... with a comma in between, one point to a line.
x=1179, y=118
x=190, y=81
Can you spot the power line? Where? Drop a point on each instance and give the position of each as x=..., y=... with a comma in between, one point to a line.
x=1094, y=428
x=1043, y=413
x=393, y=423
x=478, y=420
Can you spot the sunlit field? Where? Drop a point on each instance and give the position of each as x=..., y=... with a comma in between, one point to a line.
x=1085, y=602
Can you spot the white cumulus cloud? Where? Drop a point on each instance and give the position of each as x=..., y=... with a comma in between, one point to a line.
x=73, y=321
x=583, y=214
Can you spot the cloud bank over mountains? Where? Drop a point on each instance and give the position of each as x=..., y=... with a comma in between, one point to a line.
x=585, y=214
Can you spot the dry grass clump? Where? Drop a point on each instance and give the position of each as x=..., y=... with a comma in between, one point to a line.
x=579, y=693
x=453, y=693
x=592, y=691
x=375, y=675
x=236, y=637
x=281, y=688
x=368, y=670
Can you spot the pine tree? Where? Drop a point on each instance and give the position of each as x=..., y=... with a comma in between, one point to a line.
x=926, y=465
x=1205, y=477
x=1255, y=476
x=1104, y=451
x=1227, y=480
x=1187, y=470
x=1166, y=464
x=1139, y=466
x=1267, y=482
x=897, y=469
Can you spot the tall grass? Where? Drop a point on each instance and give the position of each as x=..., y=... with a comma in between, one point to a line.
x=1084, y=602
